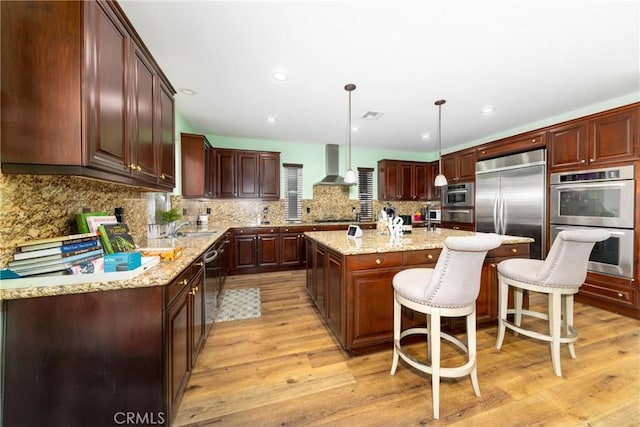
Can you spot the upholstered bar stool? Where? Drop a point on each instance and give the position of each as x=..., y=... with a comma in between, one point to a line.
x=448, y=290
x=559, y=276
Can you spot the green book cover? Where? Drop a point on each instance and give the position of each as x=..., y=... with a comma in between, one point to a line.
x=116, y=238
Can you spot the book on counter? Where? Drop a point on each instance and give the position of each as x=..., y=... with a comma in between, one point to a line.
x=62, y=251
x=59, y=266
x=93, y=222
x=116, y=238
x=52, y=259
x=81, y=220
x=54, y=242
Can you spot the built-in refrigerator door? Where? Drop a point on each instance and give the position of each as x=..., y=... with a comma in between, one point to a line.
x=522, y=205
x=487, y=202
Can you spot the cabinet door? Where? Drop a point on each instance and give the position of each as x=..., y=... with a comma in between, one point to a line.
x=248, y=174
x=319, y=280
x=467, y=165
x=449, y=168
x=244, y=251
x=568, y=146
x=226, y=174
x=167, y=145
x=614, y=138
x=371, y=293
x=142, y=142
x=196, y=314
x=404, y=190
x=387, y=180
x=269, y=176
x=420, y=181
x=292, y=253
x=268, y=250
x=107, y=52
x=178, y=346
x=210, y=172
x=193, y=149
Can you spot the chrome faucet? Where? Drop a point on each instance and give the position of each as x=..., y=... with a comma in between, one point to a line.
x=173, y=231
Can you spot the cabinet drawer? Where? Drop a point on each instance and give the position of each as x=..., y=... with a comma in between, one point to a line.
x=381, y=260
x=179, y=283
x=426, y=256
x=620, y=294
x=518, y=250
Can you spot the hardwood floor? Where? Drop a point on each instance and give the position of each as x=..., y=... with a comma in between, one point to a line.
x=285, y=369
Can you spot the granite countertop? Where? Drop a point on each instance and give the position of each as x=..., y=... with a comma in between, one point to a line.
x=374, y=242
x=159, y=275
x=193, y=247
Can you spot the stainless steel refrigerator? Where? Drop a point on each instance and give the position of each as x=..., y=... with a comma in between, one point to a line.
x=511, y=197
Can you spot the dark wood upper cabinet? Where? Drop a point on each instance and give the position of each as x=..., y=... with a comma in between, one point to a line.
x=167, y=177
x=82, y=95
x=460, y=166
x=196, y=152
x=601, y=139
x=516, y=144
x=403, y=180
x=269, y=176
x=226, y=174
x=248, y=174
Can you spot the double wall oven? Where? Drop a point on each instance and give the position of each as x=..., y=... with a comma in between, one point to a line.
x=457, y=203
x=600, y=198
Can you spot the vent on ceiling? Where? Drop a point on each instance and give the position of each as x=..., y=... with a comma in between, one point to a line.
x=372, y=115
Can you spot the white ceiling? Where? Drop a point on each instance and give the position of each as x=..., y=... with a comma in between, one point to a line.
x=532, y=60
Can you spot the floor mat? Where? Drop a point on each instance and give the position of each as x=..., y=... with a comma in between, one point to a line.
x=239, y=304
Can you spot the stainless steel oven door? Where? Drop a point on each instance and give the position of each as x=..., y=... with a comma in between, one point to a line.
x=600, y=204
x=458, y=195
x=457, y=215
x=613, y=256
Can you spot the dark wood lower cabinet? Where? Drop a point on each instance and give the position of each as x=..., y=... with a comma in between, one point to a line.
x=97, y=358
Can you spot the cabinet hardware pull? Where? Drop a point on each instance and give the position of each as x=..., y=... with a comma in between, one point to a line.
x=619, y=294
x=199, y=264
x=493, y=264
x=514, y=250
x=162, y=176
x=378, y=261
x=184, y=282
x=430, y=256
x=139, y=167
x=583, y=161
x=592, y=160
x=132, y=166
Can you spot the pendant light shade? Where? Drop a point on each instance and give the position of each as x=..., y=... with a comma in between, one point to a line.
x=441, y=180
x=350, y=176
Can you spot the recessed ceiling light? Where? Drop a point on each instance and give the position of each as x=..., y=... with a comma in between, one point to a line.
x=355, y=129
x=426, y=136
x=188, y=91
x=271, y=120
x=487, y=110
x=280, y=76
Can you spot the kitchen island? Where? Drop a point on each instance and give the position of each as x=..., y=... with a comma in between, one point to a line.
x=349, y=280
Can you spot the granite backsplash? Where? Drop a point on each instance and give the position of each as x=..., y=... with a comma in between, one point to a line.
x=41, y=206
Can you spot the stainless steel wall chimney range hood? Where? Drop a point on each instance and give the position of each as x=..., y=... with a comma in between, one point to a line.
x=332, y=167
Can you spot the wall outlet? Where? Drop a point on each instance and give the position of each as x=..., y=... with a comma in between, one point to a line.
x=208, y=211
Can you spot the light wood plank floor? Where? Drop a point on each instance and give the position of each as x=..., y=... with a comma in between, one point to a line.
x=285, y=369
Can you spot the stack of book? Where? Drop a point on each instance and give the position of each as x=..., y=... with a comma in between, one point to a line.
x=57, y=255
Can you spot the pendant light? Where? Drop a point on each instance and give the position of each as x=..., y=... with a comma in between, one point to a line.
x=350, y=176
x=440, y=179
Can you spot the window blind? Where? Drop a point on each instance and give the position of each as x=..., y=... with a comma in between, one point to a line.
x=365, y=193
x=293, y=192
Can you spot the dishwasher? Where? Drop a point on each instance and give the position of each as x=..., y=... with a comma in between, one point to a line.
x=215, y=276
